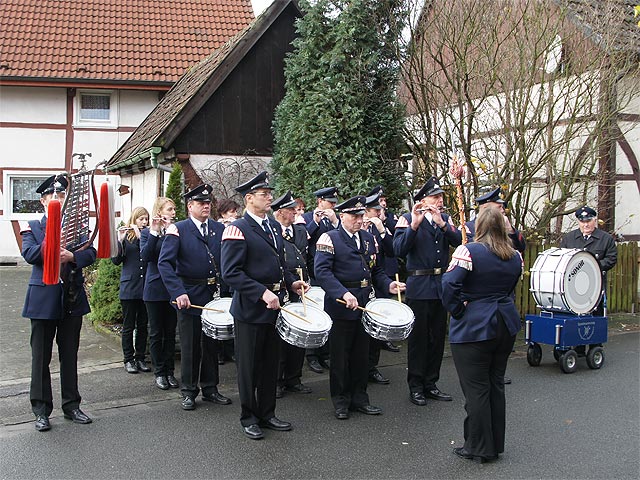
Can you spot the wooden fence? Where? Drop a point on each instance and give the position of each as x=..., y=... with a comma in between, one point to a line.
x=622, y=280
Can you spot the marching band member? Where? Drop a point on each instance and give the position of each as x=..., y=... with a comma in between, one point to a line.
x=296, y=251
x=188, y=265
x=253, y=266
x=134, y=312
x=322, y=219
x=478, y=291
x=345, y=268
x=162, y=316
x=55, y=311
x=423, y=237
x=598, y=242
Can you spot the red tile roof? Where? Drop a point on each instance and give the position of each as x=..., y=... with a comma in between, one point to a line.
x=113, y=40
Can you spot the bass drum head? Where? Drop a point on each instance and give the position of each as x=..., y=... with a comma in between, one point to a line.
x=583, y=283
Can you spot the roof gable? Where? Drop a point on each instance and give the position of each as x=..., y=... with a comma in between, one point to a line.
x=178, y=107
x=113, y=40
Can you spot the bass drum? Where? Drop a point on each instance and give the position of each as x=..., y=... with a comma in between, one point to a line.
x=218, y=325
x=566, y=280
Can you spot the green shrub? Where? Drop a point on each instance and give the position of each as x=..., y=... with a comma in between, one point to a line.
x=104, y=300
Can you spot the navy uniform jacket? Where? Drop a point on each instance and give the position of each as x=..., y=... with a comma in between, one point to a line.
x=47, y=302
x=134, y=269
x=517, y=239
x=600, y=244
x=186, y=253
x=154, y=289
x=486, y=282
x=337, y=260
x=384, y=253
x=424, y=249
x=250, y=262
x=296, y=251
x=315, y=230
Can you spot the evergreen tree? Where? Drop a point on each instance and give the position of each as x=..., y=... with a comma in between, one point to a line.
x=340, y=122
x=174, y=191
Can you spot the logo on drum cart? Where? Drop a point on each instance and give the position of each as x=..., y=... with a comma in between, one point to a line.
x=586, y=329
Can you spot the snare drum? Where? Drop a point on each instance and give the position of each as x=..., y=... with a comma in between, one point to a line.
x=317, y=295
x=299, y=333
x=566, y=280
x=392, y=320
x=218, y=325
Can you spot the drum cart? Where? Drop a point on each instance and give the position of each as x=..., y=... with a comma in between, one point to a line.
x=572, y=336
x=567, y=287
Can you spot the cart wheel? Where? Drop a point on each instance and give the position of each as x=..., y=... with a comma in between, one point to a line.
x=534, y=354
x=568, y=361
x=556, y=354
x=595, y=358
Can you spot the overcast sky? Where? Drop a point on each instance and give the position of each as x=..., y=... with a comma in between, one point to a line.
x=260, y=5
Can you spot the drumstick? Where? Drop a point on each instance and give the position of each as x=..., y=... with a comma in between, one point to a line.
x=294, y=314
x=304, y=305
x=397, y=282
x=311, y=300
x=361, y=308
x=204, y=308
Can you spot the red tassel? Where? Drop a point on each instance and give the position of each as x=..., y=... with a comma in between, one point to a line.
x=104, y=245
x=51, y=246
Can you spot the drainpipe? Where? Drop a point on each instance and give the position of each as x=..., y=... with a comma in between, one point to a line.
x=154, y=161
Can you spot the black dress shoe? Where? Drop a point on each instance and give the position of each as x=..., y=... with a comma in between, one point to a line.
x=172, y=381
x=131, y=367
x=418, y=398
x=161, y=382
x=369, y=410
x=438, y=395
x=216, y=397
x=142, y=366
x=342, y=413
x=324, y=363
x=274, y=423
x=461, y=452
x=315, y=366
x=42, y=423
x=188, y=403
x=253, y=432
x=506, y=381
x=78, y=416
x=279, y=391
x=390, y=347
x=376, y=377
x=299, y=388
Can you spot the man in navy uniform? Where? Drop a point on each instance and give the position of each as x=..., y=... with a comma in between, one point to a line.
x=384, y=242
x=188, y=265
x=296, y=252
x=423, y=237
x=598, y=242
x=322, y=219
x=55, y=311
x=493, y=199
x=346, y=269
x=254, y=268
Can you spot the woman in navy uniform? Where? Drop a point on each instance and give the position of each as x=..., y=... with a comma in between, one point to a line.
x=296, y=257
x=188, y=265
x=253, y=266
x=134, y=312
x=598, y=242
x=55, y=311
x=478, y=292
x=162, y=316
x=423, y=237
x=346, y=269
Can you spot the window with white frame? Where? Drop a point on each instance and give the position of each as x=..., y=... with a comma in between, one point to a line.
x=96, y=108
x=21, y=200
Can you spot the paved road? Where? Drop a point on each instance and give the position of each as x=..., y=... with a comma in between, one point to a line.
x=583, y=425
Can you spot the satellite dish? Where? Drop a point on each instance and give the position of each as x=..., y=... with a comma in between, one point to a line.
x=553, y=56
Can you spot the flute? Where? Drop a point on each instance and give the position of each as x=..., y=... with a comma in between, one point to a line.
x=422, y=210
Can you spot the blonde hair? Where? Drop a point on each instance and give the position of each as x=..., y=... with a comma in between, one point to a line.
x=135, y=215
x=491, y=230
x=159, y=204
